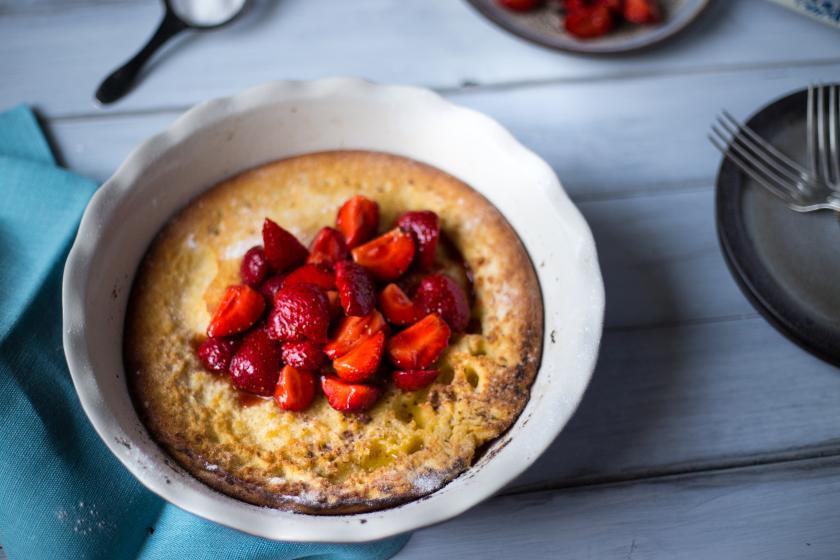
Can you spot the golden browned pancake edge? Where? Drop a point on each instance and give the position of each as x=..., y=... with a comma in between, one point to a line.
x=320, y=460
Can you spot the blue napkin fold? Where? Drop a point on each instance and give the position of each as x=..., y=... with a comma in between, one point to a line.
x=62, y=494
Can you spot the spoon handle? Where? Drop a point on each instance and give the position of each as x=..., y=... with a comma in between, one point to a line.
x=119, y=82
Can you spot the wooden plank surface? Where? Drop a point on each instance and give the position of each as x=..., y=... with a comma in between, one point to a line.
x=783, y=511
x=440, y=43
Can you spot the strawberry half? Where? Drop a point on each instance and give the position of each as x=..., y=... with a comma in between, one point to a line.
x=418, y=346
x=295, y=389
x=355, y=289
x=588, y=21
x=642, y=11
x=348, y=397
x=387, y=256
x=397, y=306
x=424, y=227
x=270, y=287
x=304, y=355
x=351, y=331
x=438, y=293
x=300, y=312
x=328, y=248
x=314, y=274
x=282, y=249
x=240, y=308
x=254, y=267
x=363, y=360
x=414, y=379
x=216, y=353
x=358, y=220
x=255, y=365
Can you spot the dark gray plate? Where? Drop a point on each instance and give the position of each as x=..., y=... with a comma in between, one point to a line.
x=788, y=264
x=544, y=27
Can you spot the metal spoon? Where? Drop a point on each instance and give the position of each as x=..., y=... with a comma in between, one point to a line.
x=200, y=15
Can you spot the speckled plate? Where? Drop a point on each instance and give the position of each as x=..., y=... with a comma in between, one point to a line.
x=545, y=26
x=785, y=262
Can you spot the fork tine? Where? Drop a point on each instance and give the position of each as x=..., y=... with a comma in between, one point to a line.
x=784, y=193
x=767, y=146
x=766, y=158
x=822, y=131
x=834, y=155
x=811, y=131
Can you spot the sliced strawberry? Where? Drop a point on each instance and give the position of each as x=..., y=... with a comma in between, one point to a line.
x=282, y=249
x=304, y=355
x=520, y=5
x=418, y=346
x=587, y=22
x=336, y=311
x=414, y=379
x=642, y=11
x=216, y=353
x=348, y=397
x=438, y=293
x=270, y=287
x=254, y=267
x=424, y=227
x=328, y=248
x=314, y=274
x=255, y=365
x=355, y=288
x=353, y=330
x=363, y=360
x=295, y=389
x=358, y=220
x=387, y=256
x=300, y=312
x=396, y=306
x=240, y=308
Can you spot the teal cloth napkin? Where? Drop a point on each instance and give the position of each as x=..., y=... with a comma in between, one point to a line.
x=62, y=494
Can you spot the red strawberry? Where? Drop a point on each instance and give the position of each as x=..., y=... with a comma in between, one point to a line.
x=355, y=288
x=255, y=365
x=358, y=220
x=282, y=249
x=351, y=331
x=363, y=360
x=254, y=267
x=424, y=227
x=396, y=306
x=300, y=312
x=348, y=397
x=414, y=379
x=438, y=293
x=387, y=256
x=520, y=5
x=304, y=355
x=295, y=389
x=240, y=308
x=270, y=287
x=642, y=11
x=314, y=274
x=216, y=353
x=418, y=346
x=587, y=22
x=328, y=248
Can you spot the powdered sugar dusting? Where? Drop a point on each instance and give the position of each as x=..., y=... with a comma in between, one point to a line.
x=237, y=249
x=190, y=242
x=210, y=467
x=427, y=483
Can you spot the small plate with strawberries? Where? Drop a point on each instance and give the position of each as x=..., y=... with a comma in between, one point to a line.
x=592, y=26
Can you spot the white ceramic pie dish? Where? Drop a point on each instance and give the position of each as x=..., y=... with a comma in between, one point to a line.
x=220, y=138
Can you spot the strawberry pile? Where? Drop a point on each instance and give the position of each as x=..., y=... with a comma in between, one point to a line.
x=337, y=315
x=587, y=19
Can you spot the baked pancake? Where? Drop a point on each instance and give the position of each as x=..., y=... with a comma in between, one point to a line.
x=321, y=460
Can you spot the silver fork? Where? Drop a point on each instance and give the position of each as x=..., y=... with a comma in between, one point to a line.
x=803, y=190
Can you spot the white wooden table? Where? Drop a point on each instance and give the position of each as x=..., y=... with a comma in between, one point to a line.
x=705, y=434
